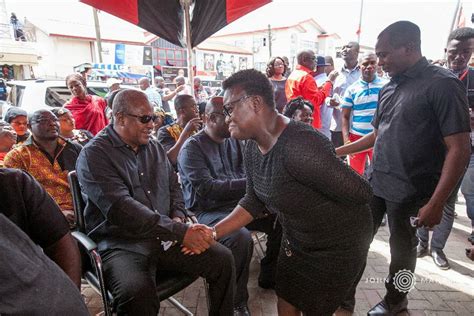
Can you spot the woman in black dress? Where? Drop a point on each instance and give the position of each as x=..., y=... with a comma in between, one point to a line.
x=276, y=69
x=321, y=203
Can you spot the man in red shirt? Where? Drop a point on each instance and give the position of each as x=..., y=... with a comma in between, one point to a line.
x=301, y=83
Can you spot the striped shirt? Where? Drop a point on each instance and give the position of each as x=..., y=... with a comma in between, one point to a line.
x=362, y=97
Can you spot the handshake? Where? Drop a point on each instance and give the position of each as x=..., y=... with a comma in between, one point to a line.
x=198, y=238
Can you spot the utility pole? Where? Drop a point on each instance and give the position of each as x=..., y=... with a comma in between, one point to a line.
x=270, y=41
x=455, y=16
x=97, y=33
x=359, y=30
x=187, y=26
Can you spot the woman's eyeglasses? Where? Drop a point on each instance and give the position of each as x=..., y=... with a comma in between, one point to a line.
x=144, y=118
x=229, y=108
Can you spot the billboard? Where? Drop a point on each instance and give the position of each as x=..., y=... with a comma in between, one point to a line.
x=219, y=66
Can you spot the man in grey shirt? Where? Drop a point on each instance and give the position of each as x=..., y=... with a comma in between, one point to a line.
x=349, y=73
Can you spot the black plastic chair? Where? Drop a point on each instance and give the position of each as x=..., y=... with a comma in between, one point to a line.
x=167, y=285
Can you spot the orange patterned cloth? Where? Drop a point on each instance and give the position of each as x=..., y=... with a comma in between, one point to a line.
x=31, y=158
x=175, y=131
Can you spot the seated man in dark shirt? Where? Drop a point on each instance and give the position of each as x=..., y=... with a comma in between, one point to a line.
x=26, y=203
x=173, y=136
x=30, y=282
x=49, y=158
x=212, y=174
x=135, y=213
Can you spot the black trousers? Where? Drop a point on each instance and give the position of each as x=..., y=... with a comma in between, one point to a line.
x=241, y=245
x=336, y=139
x=403, y=242
x=131, y=277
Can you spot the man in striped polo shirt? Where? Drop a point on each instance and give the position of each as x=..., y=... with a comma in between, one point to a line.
x=358, y=108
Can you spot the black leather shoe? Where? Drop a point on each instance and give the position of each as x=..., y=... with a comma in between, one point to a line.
x=440, y=259
x=421, y=251
x=385, y=309
x=241, y=311
x=471, y=238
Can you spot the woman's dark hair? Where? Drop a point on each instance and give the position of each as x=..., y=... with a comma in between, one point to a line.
x=253, y=82
x=77, y=77
x=271, y=66
x=296, y=104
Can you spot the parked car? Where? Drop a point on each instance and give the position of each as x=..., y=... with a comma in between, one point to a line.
x=33, y=95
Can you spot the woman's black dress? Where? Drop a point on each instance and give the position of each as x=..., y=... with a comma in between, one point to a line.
x=322, y=205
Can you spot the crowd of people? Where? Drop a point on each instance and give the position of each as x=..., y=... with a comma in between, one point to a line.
x=316, y=158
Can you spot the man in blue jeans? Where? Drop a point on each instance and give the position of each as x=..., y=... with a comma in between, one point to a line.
x=458, y=52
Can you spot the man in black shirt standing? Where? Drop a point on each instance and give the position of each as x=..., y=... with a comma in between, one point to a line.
x=135, y=213
x=421, y=137
x=213, y=178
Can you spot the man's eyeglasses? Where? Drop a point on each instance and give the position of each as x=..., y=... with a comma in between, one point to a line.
x=46, y=120
x=144, y=118
x=229, y=107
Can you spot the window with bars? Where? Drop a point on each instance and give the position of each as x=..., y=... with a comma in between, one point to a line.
x=171, y=57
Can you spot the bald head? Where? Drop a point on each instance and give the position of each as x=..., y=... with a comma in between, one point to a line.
x=144, y=83
x=127, y=99
x=350, y=54
x=159, y=81
x=216, y=126
x=39, y=114
x=306, y=58
x=215, y=104
x=179, y=80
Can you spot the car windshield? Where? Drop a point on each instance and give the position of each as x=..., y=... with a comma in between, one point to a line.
x=58, y=96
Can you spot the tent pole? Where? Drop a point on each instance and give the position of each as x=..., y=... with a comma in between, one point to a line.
x=187, y=18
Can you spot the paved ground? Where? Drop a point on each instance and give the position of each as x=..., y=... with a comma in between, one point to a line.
x=436, y=292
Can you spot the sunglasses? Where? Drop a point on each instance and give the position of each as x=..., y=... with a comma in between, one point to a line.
x=144, y=118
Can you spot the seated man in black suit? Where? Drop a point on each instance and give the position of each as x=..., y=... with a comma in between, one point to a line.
x=212, y=174
x=135, y=213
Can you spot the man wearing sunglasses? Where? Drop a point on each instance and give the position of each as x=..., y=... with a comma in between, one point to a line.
x=135, y=213
x=48, y=158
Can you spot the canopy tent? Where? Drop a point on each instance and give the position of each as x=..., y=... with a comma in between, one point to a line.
x=185, y=23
